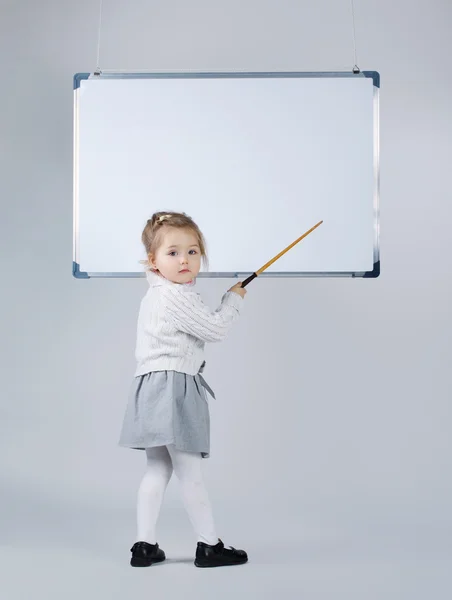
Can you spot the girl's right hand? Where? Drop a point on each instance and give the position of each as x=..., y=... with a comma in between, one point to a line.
x=237, y=289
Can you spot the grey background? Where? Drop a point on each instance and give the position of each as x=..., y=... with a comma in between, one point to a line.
x=331, y=452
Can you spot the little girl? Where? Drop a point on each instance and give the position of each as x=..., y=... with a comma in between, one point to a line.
x=167, y=414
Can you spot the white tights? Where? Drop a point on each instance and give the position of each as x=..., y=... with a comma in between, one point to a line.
x=161, y=461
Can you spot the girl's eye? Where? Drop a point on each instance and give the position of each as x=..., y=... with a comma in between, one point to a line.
x=174, y=252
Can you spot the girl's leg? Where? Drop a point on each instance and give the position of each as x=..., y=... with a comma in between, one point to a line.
x=187, y=467
x=151, y=491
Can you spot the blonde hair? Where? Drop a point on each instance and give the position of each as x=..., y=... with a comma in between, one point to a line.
x=152, y=236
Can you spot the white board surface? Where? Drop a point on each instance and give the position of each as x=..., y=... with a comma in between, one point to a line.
x=255, y=159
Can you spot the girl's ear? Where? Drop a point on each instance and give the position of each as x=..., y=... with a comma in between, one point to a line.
x=152, y=261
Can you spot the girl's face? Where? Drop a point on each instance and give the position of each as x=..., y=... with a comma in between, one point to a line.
x=179, y=256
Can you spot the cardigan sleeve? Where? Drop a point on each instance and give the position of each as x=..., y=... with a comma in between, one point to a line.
x=189, y=314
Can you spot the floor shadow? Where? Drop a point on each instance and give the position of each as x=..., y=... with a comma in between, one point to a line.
x=175, y=561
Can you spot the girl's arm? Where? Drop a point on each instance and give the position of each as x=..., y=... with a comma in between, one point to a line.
x=189, y=314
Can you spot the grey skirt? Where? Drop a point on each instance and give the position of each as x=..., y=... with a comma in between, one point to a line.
x=168, y=407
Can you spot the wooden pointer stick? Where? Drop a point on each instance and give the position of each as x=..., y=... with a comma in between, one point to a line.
x=257, y=273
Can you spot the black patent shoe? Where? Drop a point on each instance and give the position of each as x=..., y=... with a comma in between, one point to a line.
x=144, y=554
x=218, y=555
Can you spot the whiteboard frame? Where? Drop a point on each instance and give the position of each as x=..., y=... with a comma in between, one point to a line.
x=374, y=75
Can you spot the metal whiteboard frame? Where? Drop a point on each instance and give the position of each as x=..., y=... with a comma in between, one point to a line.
x=374, y=75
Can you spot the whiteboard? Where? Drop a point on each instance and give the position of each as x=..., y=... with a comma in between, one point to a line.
x=256, y=159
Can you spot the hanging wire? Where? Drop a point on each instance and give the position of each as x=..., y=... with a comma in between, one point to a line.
x=98, y=71
x=355, y=68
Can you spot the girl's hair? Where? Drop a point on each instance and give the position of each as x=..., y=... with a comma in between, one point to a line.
x=152, y=236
